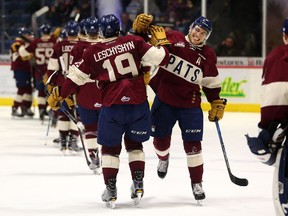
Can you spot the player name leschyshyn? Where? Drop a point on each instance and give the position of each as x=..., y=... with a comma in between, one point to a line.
x=114, y=50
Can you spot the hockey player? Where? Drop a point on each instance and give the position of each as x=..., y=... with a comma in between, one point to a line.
x=125, y=109
x=22, y=70
x=273, y=124
x=42, y=49
x=59, y=61
x=89, y=104
x=177, y=85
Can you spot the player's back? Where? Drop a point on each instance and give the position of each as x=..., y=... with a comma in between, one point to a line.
x=42, y=48
x=78, y=50
x=118, y=63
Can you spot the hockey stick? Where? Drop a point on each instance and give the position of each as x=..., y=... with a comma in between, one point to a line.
x=34, y=17
x=79, y=125
x=48, y=128
x=80, y=129
x=233, y=178
x=77, y=17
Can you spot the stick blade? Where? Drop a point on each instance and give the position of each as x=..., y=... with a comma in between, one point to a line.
x=238, y=181
x=42, y=11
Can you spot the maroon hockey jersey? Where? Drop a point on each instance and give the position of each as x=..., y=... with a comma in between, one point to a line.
x=115, y=63
x=87, y=95
x=42, y=49
x=178, y=83
x=62, y=50
x=18, y=63
x=274, y=88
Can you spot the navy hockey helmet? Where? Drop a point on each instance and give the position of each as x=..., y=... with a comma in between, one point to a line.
x=285, y=26
x=82, y=25
x=24, y=31
x=45, y=29
x=109, y=26
x=92, y=26
x=63, y=34
x=204, y=23
x=72, y=28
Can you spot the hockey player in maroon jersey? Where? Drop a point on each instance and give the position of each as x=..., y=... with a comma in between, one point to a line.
x=59, y=61
x=41, y=48
x=89, y=104
x=22, y=70
x=115, y=63
x=177, y=85
x=271, y=145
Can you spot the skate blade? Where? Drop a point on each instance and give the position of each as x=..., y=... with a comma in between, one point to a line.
x=97, y=171
x=138, y=198
x=75, y=153
x=65, y=152
x=111, y=203
x=200, y=202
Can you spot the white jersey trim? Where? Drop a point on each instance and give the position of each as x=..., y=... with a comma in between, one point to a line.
x=154, y=56
x=77, y=76
x=273, y=94
x=53, y=64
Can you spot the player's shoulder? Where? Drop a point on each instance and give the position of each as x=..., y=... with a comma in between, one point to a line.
x=174, y=34
x=209, y=51
x=130, y=38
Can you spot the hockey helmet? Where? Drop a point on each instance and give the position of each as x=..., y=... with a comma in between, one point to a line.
x=72, y=28
x=45, y=29
x=109, y=26
x=92, y=26
x=63, y=34
x=204, y=23
x=285, y=26
x=24, y=31
x=82, y=25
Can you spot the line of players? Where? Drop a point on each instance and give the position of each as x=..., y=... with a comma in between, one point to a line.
x=75, y=73
x=34, y=60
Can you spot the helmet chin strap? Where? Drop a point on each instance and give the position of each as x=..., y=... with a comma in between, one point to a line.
x=285, y=38
x=198, y=46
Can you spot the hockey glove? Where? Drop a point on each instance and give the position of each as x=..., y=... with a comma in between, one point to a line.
x=158, y=36
x=48, y=86
x=217, y=109
x=55, y=100
x=141, y=23
x=259, y=147
x=146, y=77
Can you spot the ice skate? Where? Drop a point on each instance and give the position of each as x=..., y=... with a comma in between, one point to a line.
x=198, y=192
x=72, y=145
x=42, y=114
x=162, y=168
x=95, y=161
x=63, y=144
x=27, y=112
x=109, y=196
x=137, y=190
x=15, y=112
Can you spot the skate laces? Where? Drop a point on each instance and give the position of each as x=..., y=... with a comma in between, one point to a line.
x=138, y=180
x=162, y=166
x=197, y=188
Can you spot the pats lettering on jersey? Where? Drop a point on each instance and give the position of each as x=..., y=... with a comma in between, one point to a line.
x=114, y=50
x=184, y=69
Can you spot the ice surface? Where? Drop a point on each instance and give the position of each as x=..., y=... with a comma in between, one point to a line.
x=36, y=179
